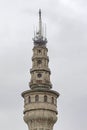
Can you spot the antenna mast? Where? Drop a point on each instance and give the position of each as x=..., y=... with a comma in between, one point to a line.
x=39, y=38
x=40, y=23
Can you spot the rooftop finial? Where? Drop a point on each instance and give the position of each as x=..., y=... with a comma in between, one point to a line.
x=40, y=23
x=39, y=12
x=39, y=38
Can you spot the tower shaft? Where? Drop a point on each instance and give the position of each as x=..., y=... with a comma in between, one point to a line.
x=40, y=109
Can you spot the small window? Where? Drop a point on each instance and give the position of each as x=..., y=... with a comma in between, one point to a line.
x=39, y=75
x=36, y=98
x=45, y=98
x=53, y=100
x=29, y=99
x=39, y=61
x=39, y=51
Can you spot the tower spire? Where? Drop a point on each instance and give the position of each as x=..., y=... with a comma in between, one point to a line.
x=40, y=23
x=39, y=38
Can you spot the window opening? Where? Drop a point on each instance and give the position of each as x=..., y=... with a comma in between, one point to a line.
x=36, y=98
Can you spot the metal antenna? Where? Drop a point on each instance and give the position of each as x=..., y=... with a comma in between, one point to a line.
x=40, y=23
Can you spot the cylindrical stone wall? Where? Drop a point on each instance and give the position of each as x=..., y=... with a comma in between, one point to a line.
x=40, y=109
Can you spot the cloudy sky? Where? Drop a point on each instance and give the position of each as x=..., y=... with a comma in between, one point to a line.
x=66, y=22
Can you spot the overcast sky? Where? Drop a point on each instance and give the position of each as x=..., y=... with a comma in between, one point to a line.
x=66, y=22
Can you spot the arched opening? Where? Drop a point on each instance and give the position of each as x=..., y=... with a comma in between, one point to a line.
x=45, y=98
x=29, y=99
x=53, y=100
x=36, y=98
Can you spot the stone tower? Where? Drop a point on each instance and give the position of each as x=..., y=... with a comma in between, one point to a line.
x=40, y=102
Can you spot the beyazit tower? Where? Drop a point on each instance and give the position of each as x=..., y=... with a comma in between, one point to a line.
x=40, y=102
